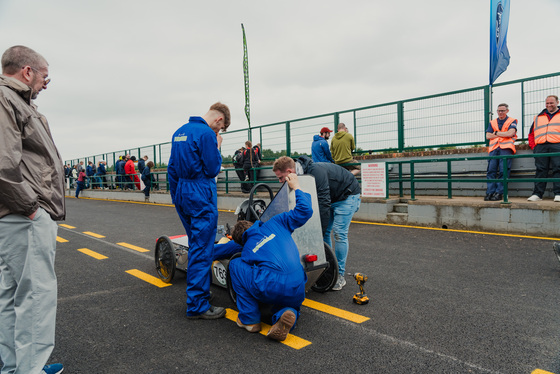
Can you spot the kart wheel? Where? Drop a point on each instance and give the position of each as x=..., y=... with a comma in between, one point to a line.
x=165, y=258
x=327, y=280
x=231, y=291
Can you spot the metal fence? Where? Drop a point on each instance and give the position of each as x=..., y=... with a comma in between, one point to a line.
x=451, y=119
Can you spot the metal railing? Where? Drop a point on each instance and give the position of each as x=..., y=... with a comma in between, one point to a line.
x=451, y=119
x=450, y=180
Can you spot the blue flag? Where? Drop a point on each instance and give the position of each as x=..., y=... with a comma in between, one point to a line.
x=499, y=54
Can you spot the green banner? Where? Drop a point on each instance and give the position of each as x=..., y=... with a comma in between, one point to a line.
x=246, y=75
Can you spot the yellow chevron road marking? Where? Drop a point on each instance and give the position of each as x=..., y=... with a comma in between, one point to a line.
x=93, y=254
x=148, y=278
x=139, y=249
x=352, y=317
x=291, y=341
x=94, y=234
x=67, y=226
x=61, y=240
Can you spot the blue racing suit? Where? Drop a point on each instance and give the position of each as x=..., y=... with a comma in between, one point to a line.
x=194, y=163
x=269, y=269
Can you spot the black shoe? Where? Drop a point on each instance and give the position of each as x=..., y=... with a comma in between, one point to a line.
x=497, y=197
x=487, y=197
x=214, y=312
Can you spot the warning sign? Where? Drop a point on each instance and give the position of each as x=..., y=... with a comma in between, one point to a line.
x=373, y=180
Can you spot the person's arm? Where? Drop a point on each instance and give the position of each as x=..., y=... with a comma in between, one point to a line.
x=303, y=210
x=210, y=151
x=17, y=195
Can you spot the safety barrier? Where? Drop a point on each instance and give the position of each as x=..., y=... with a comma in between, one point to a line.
x=450, y=180
x=451, y=119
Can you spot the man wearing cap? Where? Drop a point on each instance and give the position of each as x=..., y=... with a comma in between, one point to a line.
x=320, y=151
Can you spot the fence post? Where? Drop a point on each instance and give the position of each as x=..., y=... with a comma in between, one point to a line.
x=523, y=110
x=487, y=111
x=288, y=145
x=400, y=124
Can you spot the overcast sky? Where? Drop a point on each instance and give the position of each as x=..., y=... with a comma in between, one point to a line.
x=128, y=73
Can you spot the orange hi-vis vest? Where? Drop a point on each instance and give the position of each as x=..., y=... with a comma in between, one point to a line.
x=501, y=142
x=545, y=130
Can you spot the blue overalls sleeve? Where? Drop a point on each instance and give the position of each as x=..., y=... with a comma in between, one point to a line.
x=212, y=156
x=301, y=213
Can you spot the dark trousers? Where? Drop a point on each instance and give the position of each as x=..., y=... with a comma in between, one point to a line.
x=79, y=186
x=245, y=187
x=148, y=184
x=544, y=164
x=496, y=170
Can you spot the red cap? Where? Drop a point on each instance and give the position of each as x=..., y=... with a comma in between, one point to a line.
x=325, y=129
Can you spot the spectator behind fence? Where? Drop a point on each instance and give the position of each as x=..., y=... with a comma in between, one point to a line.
x=501, y=133
x=544, y=137
x=342, y=146
x=131, y=174
x=100, y=175
x=238, y=165
x=320, y=151
x=142, y=164
x=81, y=183
x=90, y=173
x=121, y=183
x=147, y=179
x=250, y=161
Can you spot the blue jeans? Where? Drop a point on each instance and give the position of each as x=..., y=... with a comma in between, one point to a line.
x=496, y=170
x=339, y=223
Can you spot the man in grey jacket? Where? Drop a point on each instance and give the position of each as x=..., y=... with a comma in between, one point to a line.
x=31, y=200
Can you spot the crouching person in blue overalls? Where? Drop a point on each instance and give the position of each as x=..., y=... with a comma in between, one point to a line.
x=269, y=270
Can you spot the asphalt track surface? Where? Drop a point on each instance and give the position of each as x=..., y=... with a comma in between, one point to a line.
x=441, y=302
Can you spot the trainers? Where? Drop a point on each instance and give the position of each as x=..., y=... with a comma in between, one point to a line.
x=487, y=197
x=251, y=328
x=280, y=330
x=246, y=179
x=53, y=369
x=497, y=197
x=534, y=198
x=557, y=198
x=341, y=282
x=214, y=312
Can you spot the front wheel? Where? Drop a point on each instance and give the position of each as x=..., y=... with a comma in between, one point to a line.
x=328, y=279
x=165, y=258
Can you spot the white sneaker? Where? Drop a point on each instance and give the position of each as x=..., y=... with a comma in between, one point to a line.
x=535, y=198
x=557, y=198
x=340, y=282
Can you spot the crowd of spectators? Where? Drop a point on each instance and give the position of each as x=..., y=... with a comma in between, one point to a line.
x=127, y=175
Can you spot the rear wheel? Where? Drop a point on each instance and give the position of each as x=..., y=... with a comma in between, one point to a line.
x=231, y=291
x=327, y=280
x=165, y=258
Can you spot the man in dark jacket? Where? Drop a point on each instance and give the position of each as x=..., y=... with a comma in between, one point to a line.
x=32, y=199
x=338, y=193
x=120, y=172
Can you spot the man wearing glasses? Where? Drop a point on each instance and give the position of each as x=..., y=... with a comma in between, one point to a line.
x=501, y=134
x=31, y=200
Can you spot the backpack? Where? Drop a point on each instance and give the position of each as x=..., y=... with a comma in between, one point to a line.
x=238, y=157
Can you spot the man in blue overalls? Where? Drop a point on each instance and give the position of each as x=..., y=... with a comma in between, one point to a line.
x=194, y=163
x=269, y=270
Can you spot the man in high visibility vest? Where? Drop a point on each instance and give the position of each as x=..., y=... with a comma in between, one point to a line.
x=544, y=137
x=501, y=133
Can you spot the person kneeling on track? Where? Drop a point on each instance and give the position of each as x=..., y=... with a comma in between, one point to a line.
x=269, y=269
